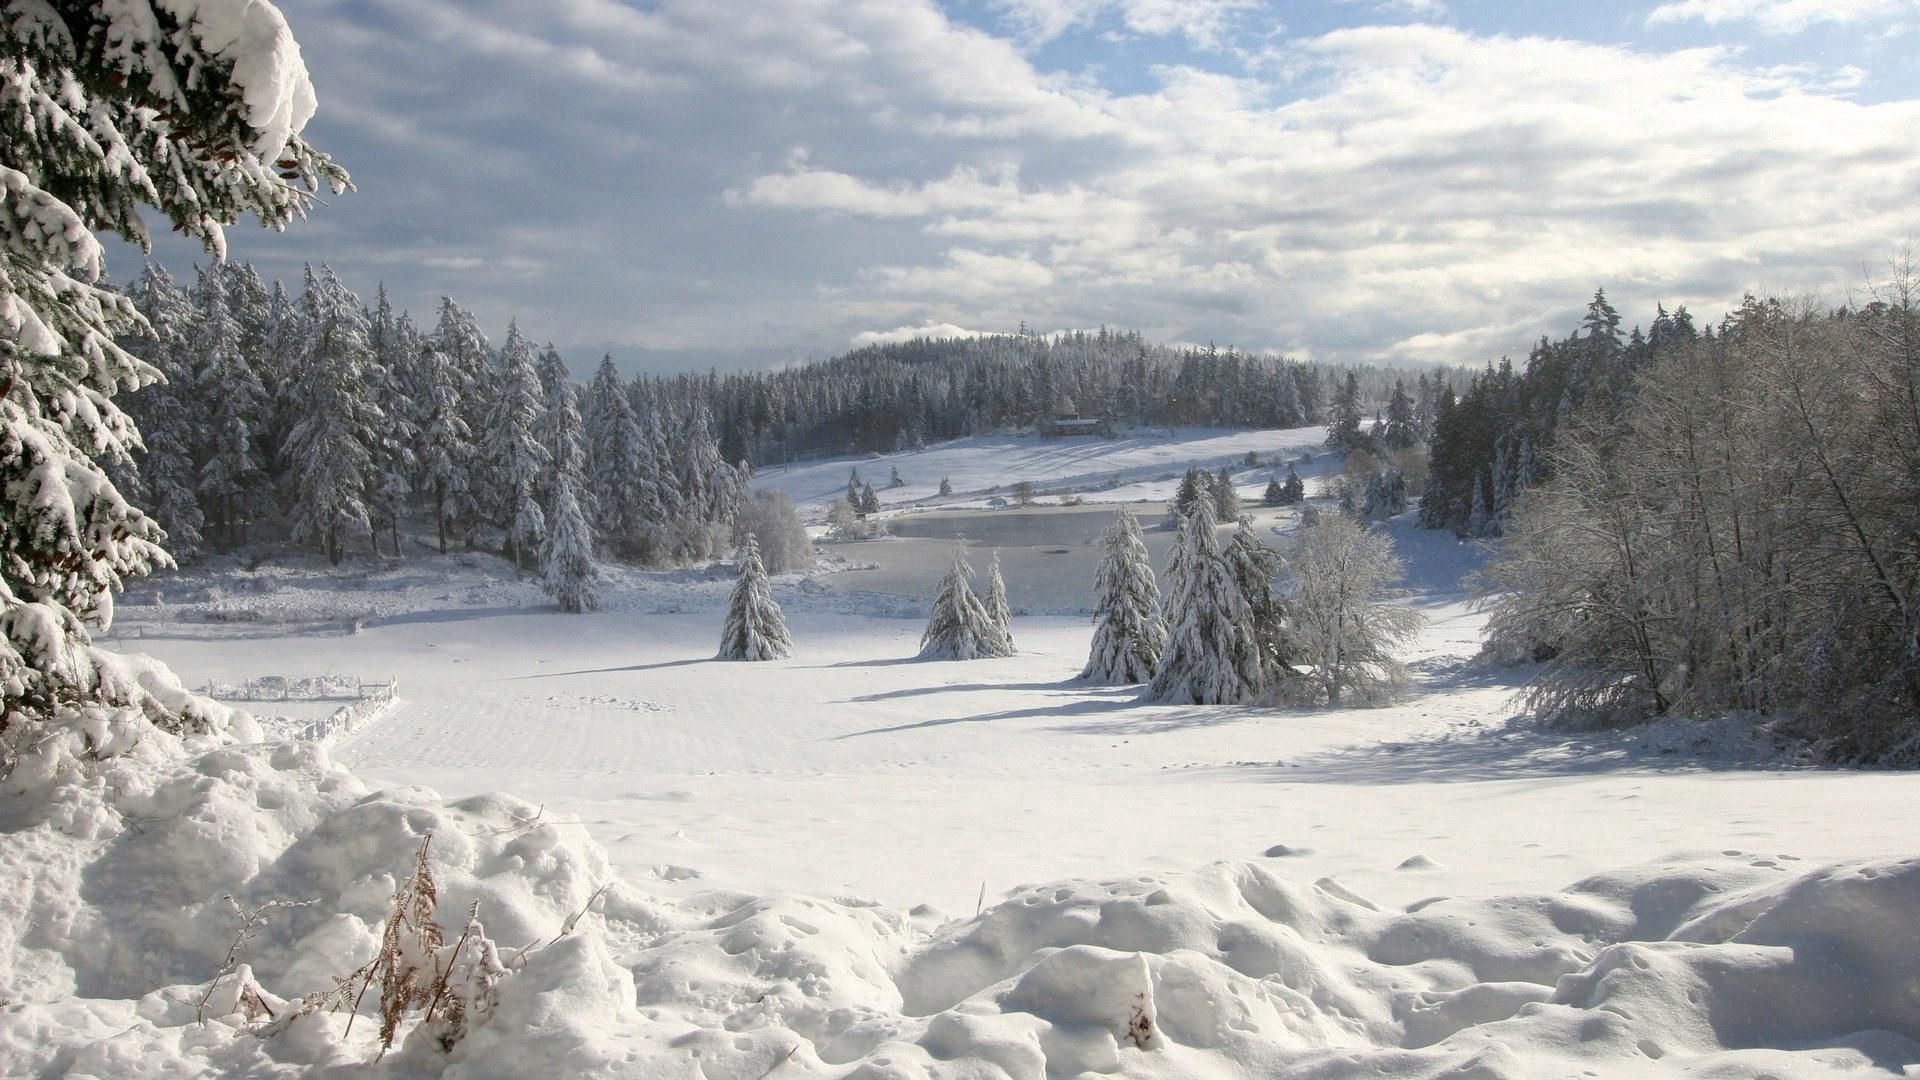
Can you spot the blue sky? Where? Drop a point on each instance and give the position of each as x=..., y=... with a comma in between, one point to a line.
x=688, y=183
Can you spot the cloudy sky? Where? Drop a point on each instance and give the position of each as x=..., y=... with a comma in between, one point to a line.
x=694, y=182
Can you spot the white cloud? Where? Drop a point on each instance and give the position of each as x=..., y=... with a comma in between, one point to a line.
x=1429, y=185
x=1203, y=22
x=1780, y=16
x=798, y=172
x=801, y=188
x=908, y=333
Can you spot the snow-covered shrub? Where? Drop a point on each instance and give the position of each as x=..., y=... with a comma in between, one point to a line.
x=1340, y=611
x=846, y=522
x=769, y=518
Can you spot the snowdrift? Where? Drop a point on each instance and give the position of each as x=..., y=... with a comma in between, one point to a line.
x=117, y=922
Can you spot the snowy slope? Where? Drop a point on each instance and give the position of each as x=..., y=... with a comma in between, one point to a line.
x=1147, y=463
x=796, y=851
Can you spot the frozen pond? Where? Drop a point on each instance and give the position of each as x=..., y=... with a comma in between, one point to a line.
x=1048, y=554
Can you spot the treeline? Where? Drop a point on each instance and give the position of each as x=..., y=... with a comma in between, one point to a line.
x=1490, y=443
x=1704, y=521
x=315, y=418
x=900, y=396
x=318, y=418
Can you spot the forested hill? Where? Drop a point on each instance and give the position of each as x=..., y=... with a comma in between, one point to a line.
x=887, y=397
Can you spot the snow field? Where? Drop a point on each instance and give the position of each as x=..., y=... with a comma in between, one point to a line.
x=849, y=863
x=1687, y=966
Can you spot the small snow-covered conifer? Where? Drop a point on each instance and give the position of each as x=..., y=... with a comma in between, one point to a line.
x=946, y=486
x=1129, y=633
x=995, y=601
x=1275, y=495
x=567, y=569
x=959, y=627
x=1294, y=489
x=1226, y=501
x=1211, y=657
x=1195, y=484
x=755, y=629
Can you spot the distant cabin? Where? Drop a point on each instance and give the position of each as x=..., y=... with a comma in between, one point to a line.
x=1066, y=420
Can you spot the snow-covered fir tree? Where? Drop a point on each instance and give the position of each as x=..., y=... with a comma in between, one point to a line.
x=625, y=494
x=327, y=450
x=101, y=120
x=1253, y=567
x=1195, y=484
x=1274, y=495
x=457, y=335
x=516, y=460
x=567, y=570
x=946, y=487
x=561, y=430
x=1480, y=518
x=1211, y=657
x=959, y=627
x=168, y=483
x=234, y=403
x=1226, y=501
x=755, y=628
x=390, y=484
x=443, y=447
x=1343, y=426
x=1294, y=489
x=1399, y=431
x=1386, y=495
x=995, y=601
x=1128, y=632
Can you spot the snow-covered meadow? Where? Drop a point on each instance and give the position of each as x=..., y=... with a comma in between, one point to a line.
x=855, y=863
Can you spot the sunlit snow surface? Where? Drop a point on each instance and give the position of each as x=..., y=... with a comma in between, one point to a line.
x=801, y=845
